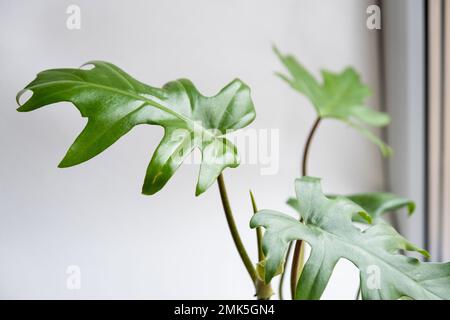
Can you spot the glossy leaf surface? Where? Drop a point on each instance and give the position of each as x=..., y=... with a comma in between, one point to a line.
x=114, y=103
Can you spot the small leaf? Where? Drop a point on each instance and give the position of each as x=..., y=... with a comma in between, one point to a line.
x=377, y=204
x=360, y=216
x=341, y=96
x=328, y=229
x=293, y=203
x=114, y=103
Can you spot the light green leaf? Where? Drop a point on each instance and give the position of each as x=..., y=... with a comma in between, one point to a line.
x=293, y=203
x=114, y=103
x=341, y=96
x=384, y=272
x=384, y=148
x=376, y=204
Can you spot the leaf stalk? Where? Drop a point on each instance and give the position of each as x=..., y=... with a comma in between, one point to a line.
x=297, y=262
x=263, y=290
x=259, y=234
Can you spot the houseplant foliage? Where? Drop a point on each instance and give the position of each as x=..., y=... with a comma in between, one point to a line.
x=327, y=227
x=340, y=96
x=114, y=103
x=375, y=204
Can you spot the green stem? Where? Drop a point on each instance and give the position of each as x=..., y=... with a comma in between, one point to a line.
x=234, y=231
x=358, y=293
x=295, y=269
x=280, y=285
x=263, y=290
x=258, y=230
x=308, y=145
x=297, y=258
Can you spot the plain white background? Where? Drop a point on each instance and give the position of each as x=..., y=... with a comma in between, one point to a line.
x=171, y=245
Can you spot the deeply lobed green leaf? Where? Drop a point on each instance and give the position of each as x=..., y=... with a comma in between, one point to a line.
x=341, y=96
x=328, y=229
x=114, y=103
x=376, y=204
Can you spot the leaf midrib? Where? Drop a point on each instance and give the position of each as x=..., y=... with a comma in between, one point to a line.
x=134, y=96
x=337, y=97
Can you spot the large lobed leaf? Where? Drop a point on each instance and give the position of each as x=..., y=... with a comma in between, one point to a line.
x=114, y=103
x=328, y=229
x=340, y=96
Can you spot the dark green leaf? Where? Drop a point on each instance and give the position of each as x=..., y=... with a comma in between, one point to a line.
x=114, y=103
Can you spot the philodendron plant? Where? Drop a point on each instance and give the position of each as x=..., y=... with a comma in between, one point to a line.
x=335, y=227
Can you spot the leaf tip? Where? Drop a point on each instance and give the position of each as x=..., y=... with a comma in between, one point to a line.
x=387, y=151
x=199, y=190
x=149, y=189
x=144, y=192
x=366, y=216
x=253, y=201
x=293, y=203
x=20, y=109
x=64, y=164
x=71, y=159
x=425, y=253
x=411, y=208
x=385, y=119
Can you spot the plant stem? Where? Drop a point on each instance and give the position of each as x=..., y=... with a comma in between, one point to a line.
x=234, y=231
x=296, y=260
x=258, y=230
x=295, y=272
x=307, y=146
x=358, y=293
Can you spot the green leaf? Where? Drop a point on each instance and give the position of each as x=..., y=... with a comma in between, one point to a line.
x=328, y=229
x=114, y=103
x=293, y=203
x=376, y=204
x=341, y=96
x=361, y=216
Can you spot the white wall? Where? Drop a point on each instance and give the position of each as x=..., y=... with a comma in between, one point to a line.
x=404, y=52
x=171, y=245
